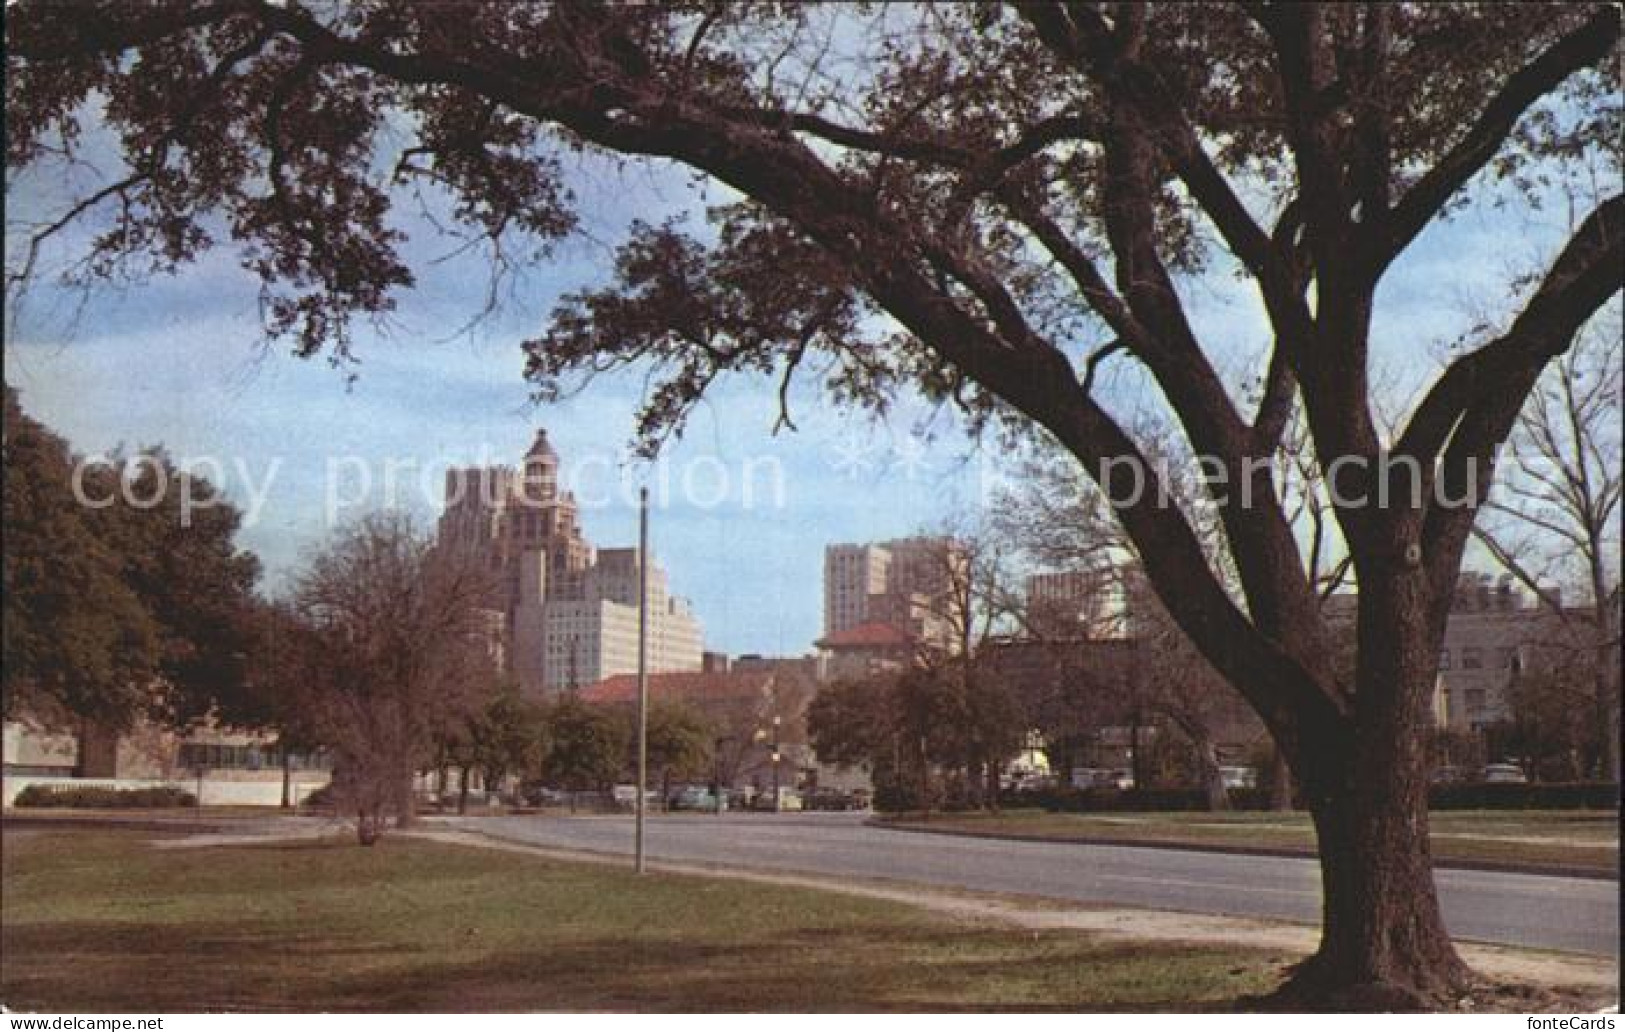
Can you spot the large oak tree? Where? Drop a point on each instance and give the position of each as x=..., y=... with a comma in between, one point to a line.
x=980, y=200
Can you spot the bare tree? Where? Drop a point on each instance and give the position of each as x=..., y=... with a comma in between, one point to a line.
x=397, y=657
x=1553, y=520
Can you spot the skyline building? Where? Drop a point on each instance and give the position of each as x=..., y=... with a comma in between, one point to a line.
x=570, y=610
x=902, y=584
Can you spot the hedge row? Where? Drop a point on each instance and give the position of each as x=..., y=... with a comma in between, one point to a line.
x=1110, y=800
x=1583, y=795
x=104, y=798
x=1545, y=795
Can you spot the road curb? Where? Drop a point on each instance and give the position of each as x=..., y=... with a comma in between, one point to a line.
x=179, y=825
x=1490, y=866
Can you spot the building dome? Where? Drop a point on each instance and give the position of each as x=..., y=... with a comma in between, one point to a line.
x=541, y=449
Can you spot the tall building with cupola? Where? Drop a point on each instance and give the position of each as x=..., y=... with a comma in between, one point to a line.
x=570, y=610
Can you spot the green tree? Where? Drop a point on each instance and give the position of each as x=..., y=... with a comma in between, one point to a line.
x=179, y=555
x=508, y=736
x=281, y=651
x=983, y=201
x=126, y=593
x=850, y=723
x=588, y=746
x=680, y=745
x=79, y=642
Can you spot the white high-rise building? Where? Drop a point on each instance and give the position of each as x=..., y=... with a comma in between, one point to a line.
x=571, y=612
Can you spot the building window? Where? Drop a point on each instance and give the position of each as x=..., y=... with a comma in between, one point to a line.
x=1444, y=659
x=1507, y=657
x=1472, y=658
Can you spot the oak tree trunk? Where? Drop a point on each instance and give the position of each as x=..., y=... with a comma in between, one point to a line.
x=1207, y=753
x=1383, y=940
x=287, y=779
x=1280, y=783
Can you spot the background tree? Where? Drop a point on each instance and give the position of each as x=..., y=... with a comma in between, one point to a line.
x=1062, y=521
x=587, y=747
x=397, y=651
x=509, y=735
x=126, y=596
x=179, y=554
x=274, y=694
x=1551, y=729
x=849, y=722
x=79, y=643
x=960, y=685
x=1553, y=522
x=1001, y=199
x=680, y=746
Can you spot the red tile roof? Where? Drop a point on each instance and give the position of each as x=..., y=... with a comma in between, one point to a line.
x=693, y=686
x=866, y=634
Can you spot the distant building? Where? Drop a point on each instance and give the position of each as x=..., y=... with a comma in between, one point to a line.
x=571, y=611
x=866, y=650
x=1069, y=602
x=753, y=714
x=221, y=766
x=1495, y=632
x=811, y=666
x=903, y=583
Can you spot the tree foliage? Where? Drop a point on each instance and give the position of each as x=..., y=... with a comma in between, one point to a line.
x=126, y=595
x=588, y=746
x=679, y=743
x=509, y=735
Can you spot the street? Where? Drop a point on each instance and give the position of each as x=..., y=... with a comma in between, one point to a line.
x=1513, y=909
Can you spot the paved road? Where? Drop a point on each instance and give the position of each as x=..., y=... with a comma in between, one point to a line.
x=1519, y=909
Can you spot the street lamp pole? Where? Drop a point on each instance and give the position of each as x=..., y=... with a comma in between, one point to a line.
x=643, y=670
x=778, y=799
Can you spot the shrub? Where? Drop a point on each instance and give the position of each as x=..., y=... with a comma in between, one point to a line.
x=98, y=798
x=1572, y=795
x=1580, y=795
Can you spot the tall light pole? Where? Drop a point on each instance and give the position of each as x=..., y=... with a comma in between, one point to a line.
x=643, y=670
x=778, y=799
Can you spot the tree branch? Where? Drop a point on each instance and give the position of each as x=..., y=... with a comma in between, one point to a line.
x=1582, y=48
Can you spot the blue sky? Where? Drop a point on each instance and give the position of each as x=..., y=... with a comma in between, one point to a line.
x=179, y=362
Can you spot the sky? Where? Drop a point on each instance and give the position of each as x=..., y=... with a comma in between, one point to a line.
x=741, y=515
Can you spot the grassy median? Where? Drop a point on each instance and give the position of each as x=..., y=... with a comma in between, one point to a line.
x=102, y=921
x=1560, y=839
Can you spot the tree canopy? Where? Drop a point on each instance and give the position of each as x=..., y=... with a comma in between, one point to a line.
x=117, y=604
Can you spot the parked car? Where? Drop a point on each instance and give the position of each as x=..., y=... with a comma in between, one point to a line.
x=1505, y=774
x=829, y=799
x=541, y=795
x=1448, y=775
x=626, y=796
x=1085, y=777
x=788, y=799
x=696, y=797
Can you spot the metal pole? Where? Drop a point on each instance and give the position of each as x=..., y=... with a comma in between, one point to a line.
x=643, y=669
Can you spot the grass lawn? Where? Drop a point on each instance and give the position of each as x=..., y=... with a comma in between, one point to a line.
x=94, y=920
x=1566, y=838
